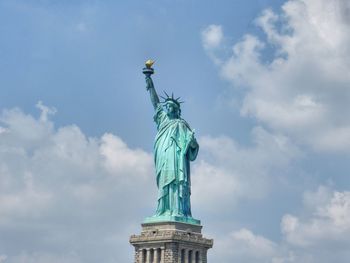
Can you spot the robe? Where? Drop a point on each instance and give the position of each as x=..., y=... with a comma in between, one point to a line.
x=172, y=155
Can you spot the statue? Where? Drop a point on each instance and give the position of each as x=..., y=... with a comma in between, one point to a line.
x=175, y=146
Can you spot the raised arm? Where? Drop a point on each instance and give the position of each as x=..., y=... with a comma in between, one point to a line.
x=152, y=91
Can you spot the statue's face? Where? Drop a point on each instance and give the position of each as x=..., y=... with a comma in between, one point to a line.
x=172, y=109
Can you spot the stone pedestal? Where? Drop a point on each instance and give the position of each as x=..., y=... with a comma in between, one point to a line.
x=170, y=242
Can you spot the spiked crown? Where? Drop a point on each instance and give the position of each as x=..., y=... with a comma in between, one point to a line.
x=172, y=99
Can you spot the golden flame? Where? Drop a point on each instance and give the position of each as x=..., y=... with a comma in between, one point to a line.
x=149, y=63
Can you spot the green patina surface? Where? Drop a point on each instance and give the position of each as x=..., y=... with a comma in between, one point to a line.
x=175, y=146
x=163, y=218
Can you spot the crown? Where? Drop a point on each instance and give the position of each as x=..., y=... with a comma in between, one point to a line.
x=172, y=99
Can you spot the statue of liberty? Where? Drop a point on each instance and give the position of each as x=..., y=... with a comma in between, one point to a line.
x=175, y=146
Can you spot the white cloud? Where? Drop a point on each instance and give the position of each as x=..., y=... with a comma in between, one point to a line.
x=45, y=111
x=338, y=210
x=65, y=197
x=319, y=234
x=244, y=246
x=2, y=130
x=212, y=36
x=303, y=89
x=228, y=172
x=25, y=202
x=44, y=258
x=258, y=244
x=119, y=158
x=329, y=220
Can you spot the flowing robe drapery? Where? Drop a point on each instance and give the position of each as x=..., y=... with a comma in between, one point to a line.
x=172, y=153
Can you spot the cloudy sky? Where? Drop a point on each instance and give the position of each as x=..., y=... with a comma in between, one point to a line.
x=266, y=86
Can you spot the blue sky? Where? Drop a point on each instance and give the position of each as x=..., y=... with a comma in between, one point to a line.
x=266, y=88
x=91, y=52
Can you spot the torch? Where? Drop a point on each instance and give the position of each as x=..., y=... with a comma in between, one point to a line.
x=148, y=70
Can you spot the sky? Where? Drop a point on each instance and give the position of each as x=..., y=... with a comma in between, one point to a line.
x=266, y=86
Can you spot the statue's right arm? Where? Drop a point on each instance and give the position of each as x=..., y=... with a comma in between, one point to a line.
x=154, y=96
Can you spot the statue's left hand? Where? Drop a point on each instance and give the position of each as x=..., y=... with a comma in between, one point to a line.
x=193, y=142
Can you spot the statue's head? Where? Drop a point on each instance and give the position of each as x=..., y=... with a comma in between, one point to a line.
x=173, y=109
x=172, y=106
